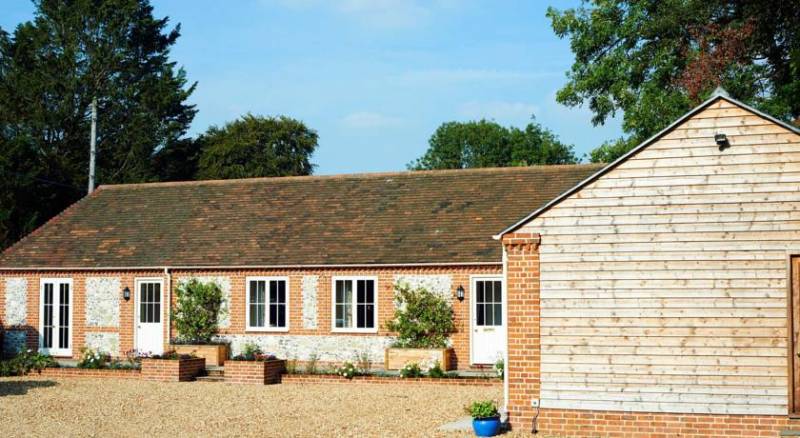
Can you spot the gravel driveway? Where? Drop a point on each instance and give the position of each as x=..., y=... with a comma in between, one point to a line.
x=88, y=407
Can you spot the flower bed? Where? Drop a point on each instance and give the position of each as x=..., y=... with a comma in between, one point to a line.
x=180, y=369
x=254, y=372
x=388, y=380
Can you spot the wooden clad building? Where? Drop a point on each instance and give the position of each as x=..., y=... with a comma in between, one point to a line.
x=666, y=284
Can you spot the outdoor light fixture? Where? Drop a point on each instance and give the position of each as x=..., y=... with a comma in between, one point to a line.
x=722, y=141
x=126, y=293
x=460, y=293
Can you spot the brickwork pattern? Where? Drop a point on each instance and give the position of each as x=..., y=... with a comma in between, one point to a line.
x=380, y=380
x=254, y=372
x=180, y=370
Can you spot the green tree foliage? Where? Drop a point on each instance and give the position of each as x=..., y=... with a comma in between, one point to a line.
x=655, y=60
x=457, y=145
x=50, y=70
x=422, y=319
x=197, y=311
x=255, y=146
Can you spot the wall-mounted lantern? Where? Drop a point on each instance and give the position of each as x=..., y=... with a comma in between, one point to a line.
x=722, y=141
x=460, y=293
x=126, y=293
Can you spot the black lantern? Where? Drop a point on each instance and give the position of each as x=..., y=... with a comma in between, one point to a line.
x=460, y=293
x=126, y=293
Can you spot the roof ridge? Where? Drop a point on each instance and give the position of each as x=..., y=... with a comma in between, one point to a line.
x=359, y=175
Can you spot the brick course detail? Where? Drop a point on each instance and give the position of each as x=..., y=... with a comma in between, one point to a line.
x=379, y=380
x=88, y=373
x=254, y=372
x=179, y=370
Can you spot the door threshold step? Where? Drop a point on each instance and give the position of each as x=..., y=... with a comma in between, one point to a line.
x=210, y=379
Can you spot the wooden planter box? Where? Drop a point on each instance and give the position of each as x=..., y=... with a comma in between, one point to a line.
x=214, y=354
x=254, y=372
x=396, y=358
x=172, y=370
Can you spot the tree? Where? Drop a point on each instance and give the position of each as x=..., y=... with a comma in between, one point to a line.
x=255, y=146
x=655, y=60
x=51, y=69
x=457, y=145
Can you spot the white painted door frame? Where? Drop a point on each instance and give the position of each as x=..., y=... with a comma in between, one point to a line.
x=154, y=347
x=56, y=317
x=500, y=331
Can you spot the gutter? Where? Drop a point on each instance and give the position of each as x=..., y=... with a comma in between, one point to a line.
x=230, y=267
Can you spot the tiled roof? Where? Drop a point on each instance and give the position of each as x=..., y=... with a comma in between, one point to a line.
x=426, y=217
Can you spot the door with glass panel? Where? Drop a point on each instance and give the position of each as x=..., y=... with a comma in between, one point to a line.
x=488, y=321
x=149, y=316
x=55, y=315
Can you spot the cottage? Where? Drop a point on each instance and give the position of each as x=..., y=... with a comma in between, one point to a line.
x=661, y=294
x=308, y=264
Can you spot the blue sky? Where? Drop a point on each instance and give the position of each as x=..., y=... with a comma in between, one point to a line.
x=373, y=77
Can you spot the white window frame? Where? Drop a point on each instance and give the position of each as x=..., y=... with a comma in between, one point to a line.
x=266, y=327
x=353, y=278
x=57, y=352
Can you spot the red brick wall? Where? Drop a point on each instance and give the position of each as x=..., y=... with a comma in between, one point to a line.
x=522, y=288
x=179, y=370
x=379, y=380
x=460, y=277
x=254, y=372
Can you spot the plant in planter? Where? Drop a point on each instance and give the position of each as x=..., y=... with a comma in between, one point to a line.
x=196, y=317
x=91, y=359
x=410, y=370
x=25, y=362
x=347, y=370
x=485, y=418
x=252, y=352
x=500, y=368
x=423, y=321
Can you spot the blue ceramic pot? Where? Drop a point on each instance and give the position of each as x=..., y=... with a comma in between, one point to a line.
x=486, y=426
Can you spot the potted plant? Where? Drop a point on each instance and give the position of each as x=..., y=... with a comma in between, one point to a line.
x=196, y=317
x=485, y=418
x=423, y=321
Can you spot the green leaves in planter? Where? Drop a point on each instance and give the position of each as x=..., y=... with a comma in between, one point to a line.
x=483, y=409
x=423, y=319
x=196, y=314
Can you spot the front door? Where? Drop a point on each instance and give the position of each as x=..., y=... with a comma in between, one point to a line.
x=55, y=317
x=149, y=316
x=488, y=321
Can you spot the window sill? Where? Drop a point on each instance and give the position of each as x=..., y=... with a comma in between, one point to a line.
x=355, y=331
x=266, y=330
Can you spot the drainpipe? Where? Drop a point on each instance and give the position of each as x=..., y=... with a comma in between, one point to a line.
x=505, y=351
x=169, y=302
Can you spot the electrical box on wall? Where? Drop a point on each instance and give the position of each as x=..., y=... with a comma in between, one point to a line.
x=534, y=402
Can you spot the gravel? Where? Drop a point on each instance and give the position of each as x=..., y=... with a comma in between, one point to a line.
x=113, y=408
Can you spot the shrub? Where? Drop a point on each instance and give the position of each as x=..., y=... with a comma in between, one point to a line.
x=483, y=409
x=363, y=363
x=311, y=364
x=347, y=370
x=91, y=359
x=25, y=362
x=172, y=355
x=197, y=312
x=436, y=371
x=500, y=367
x=423, y=319
x=410, y=369
x=291, y=366
x=251, y=351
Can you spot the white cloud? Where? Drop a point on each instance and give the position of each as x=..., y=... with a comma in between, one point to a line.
x=366, y=119
x=508, y=112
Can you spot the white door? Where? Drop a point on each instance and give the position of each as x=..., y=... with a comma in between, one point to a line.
x=488, y=321
x=55, y=320
x=149, y=316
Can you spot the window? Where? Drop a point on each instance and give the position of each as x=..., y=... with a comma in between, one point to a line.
x=489, y=303
x=267, y=304
x=354, y=304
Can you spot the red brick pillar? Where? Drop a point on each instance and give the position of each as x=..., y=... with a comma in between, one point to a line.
x=524, y=342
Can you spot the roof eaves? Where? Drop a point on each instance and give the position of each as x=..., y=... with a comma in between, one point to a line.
x=719, y=93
